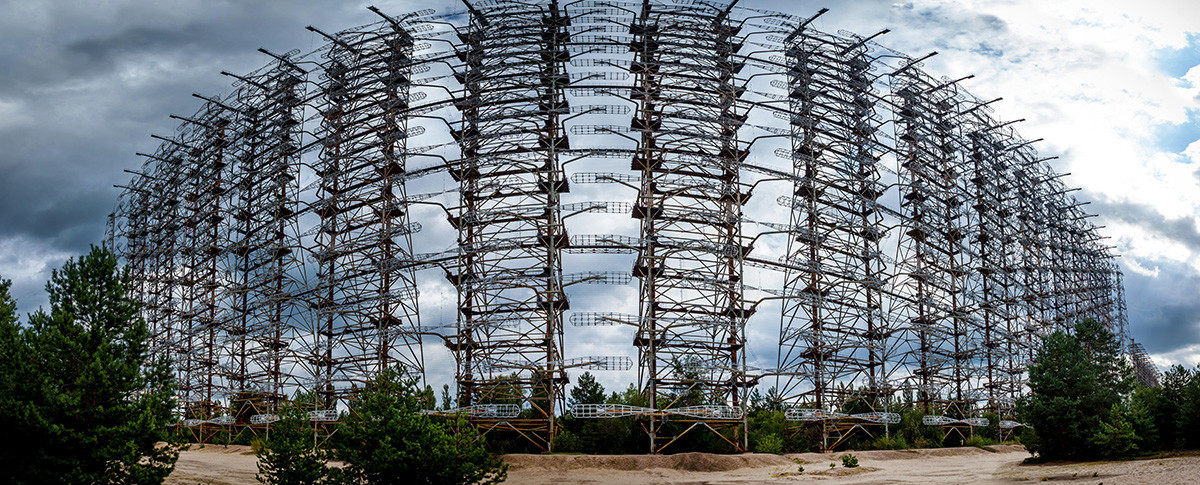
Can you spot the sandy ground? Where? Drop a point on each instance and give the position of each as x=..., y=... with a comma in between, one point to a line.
x=215, y=465
x=999, y=464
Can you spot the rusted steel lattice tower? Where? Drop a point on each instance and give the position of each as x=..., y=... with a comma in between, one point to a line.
x=692, y=313
x=834, y=331
x=363, y=303
x=403, y=195
x=510, y=229
x=940, y=329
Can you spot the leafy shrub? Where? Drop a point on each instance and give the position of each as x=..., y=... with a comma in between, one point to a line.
x=914, y=432
x=979, y=441
x=566, y=441
x=771, y=443
x=895, y=442
x=849, y=461
x=431, y=450
x=258, y=445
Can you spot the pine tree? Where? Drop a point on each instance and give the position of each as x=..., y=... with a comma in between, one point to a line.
x=1075, y=385
x=387, y=439
x=447, y=401
x=1051, y=411
x=289, y=457
x=1115, y=437
x=1187, y=411
x=587, y=391
x=13, y=390
x=1115, y=377
x=88, y=404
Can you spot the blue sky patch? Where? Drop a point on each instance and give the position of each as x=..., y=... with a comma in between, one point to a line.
x=1172, y=138
x=1176, y=62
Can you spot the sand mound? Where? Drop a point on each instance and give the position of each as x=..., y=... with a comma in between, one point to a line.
x=692, y=462
x=706, y=462
x=885, y=455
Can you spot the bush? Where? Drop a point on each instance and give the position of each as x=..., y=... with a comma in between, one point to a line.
x=769, y=444
x=289, y=457
x=979, y=441
x=849, y=461
x=913, y=431
x=566, y=441
x=612, y=436
x=992, y=430
x=258, y=446
x=895, y=442
x=765, y=423
x=386, y=438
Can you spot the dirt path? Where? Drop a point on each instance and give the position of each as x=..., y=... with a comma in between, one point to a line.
x=215, y=465
x=1000, y=464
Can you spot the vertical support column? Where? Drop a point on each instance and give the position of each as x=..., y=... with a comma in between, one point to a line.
x=692, y=315
x=833, y=331
x=509, y=221
x=942, y=349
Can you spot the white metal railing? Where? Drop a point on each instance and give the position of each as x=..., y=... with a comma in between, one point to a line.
x=264, y=418
x=323, y=415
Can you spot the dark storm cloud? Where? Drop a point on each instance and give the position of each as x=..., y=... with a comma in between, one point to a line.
x=1182, y=230
x=137, y=40
x=1164, y=320
x=83, y=87
x=1164, y=309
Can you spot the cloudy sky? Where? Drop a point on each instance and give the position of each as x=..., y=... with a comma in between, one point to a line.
x=1113, y=89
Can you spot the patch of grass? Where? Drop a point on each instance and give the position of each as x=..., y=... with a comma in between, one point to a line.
x=979, y=441
x=895, y=442
x=257, y=446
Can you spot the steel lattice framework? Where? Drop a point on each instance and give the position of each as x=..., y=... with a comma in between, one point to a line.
x=921, y=248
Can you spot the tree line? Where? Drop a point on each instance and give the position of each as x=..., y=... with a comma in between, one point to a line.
x=1083, y=403
x=85, y=403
